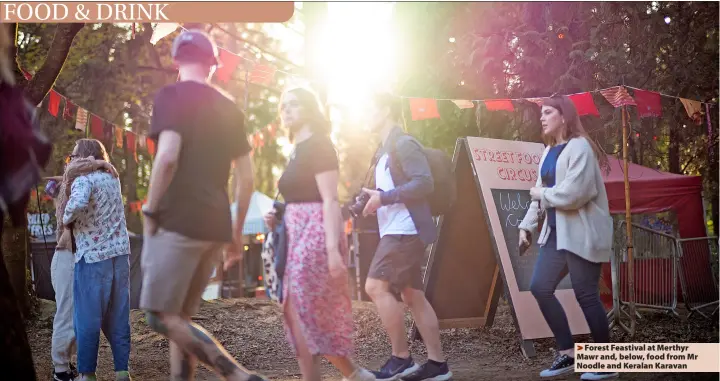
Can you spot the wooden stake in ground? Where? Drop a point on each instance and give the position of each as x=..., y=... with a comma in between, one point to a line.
x=628, y=225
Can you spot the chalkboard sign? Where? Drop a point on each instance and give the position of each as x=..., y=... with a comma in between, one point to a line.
x=512, y=205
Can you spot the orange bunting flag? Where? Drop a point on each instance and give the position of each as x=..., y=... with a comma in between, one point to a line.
x=119, y=132
x=462, y=104
x=694, y=110
x=81, y=119
x=228, y=63
x=499, y=105
x=584, y=104
x=150, y=146
x=423, y=108
x=618, y=96
x=261, y=74
x=54, y=103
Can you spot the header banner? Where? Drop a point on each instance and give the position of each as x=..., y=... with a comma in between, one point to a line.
x=139, y=12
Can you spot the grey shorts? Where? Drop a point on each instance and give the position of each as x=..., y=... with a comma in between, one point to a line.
x=398, y=261
x=176, y=270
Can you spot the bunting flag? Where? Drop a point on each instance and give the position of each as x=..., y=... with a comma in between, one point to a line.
x=81, y=119
x=150, y=146
x=54, y=103
x=694, y=110
x=262, y=74
x=423, y=108
x=162, y=30
x=618, y=96
x=463, y=104
x=130, y=141
x=499, y=105
x=108, y=135
x=229, y=62
x=96, y=127
x=584, y=104
x=537, y=101
x=649, y=103
x=70, y=110
x=119, y=136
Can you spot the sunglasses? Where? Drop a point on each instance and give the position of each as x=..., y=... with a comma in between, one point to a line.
x=69, y=158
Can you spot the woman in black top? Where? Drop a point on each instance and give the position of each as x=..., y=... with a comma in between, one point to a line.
x=317, y=307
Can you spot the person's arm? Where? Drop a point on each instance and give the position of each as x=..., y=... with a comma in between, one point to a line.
x=243, y=186
x=164, y=167
x=79, y=199
x=578, y=187
x=415, y=166
x=332, y=218
x=530, y=221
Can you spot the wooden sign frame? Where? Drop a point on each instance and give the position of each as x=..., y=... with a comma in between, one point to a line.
x=490, y=161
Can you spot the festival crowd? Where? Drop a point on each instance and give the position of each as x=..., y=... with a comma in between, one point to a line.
x=201, y=141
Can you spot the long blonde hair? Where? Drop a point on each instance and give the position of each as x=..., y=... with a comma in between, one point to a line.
x=6, y=42
x=573, y=127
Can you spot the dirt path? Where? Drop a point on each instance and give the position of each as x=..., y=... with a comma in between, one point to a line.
x=251, y=330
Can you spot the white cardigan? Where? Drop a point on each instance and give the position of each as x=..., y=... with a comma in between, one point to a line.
x=583, y=223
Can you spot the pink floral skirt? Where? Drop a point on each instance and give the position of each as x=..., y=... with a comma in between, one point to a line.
x=321, y=303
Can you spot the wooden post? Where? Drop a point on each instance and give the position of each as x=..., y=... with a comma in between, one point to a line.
x=628, y=226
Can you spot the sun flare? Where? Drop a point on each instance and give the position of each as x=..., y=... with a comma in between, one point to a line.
x=356, y=56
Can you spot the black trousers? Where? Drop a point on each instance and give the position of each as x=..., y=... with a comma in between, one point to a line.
x=16, y=359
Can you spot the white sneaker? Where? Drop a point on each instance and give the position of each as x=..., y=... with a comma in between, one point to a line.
x=592, y=376
x=361, y=374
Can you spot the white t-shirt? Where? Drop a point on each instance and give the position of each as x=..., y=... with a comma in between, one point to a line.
x=395, y=218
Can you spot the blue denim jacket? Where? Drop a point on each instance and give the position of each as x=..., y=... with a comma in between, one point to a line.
x=413, y=181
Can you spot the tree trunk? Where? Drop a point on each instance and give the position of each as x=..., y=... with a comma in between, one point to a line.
x=13, y=238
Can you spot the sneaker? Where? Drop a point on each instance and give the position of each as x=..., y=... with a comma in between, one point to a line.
x=563, y=364
x=68, y=375
x=123, y=376
x=431, y=371
x=64, y=376
x=396, y=368
x=599, y=376
x=255, y=377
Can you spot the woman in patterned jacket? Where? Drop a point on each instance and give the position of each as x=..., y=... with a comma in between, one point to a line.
x=101, y=288
x=62, y=266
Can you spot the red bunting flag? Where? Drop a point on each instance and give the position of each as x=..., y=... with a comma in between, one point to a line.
x=26, y=74
x=70, y=110
x=584, y=104
x=228, y=63
x=423, y=108
x=649, y=103
x=96, y=127
x=119, y=132
x=54, y=103
x=261, y=74
x=499, y=105
x=150, y=146
x=108, y=139
x=618, y=96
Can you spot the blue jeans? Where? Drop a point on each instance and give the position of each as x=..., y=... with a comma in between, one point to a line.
x=551, y=267
x=102, y=302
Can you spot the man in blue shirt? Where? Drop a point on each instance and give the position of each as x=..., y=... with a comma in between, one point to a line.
x=404, y=181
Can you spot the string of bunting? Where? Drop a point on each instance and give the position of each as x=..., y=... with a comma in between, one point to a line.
x=648, y=103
